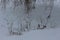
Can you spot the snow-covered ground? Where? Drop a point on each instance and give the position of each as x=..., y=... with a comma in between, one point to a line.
x=45, y=34
x=9, y=16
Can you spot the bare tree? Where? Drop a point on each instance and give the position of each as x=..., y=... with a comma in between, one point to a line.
x=33, y=4
x=27, y=8
x=17, y=3
x=29, y=5
x=4, y=3
x=48, y=9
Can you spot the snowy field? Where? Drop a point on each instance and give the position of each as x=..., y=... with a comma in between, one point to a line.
x=45, y=34
x=9, y=16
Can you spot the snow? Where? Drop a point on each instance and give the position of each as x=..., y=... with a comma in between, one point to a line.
x=51, y=34
x=8, y=16
x=45, y=34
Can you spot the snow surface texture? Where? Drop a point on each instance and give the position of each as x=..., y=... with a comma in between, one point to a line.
x=45, y=34
x=8, y=16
